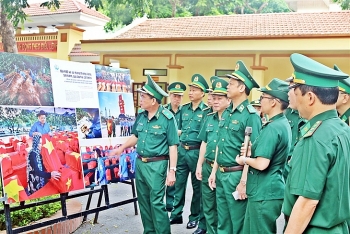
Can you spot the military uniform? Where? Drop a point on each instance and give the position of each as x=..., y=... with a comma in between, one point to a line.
x=190, y=124
x=179, y=89
x=209, y=135
x=231, y=136
x=295, y=122
x=154, y=135
x=344, y=86
x=265, y=188
x=320, y=166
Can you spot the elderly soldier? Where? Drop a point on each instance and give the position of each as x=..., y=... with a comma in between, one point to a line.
x=230, y=177
x=176, y=91
x=155, y=133
x=190, y=124
x=317, y=191
x=209, y=135
x=265, y=184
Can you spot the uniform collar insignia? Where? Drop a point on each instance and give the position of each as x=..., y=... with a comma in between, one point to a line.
x=241, y=108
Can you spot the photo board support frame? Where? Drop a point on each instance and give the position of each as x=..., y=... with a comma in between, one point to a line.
x=63, y=200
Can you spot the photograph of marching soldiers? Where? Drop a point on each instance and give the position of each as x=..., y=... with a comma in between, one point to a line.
x=25, y=80
x=284, y=156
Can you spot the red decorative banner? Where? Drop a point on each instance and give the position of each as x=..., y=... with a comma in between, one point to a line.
x=35, y=46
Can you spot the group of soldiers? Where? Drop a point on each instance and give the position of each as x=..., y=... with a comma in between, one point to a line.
x=245, y=167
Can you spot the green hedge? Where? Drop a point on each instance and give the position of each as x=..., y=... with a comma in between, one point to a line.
x=26, y=216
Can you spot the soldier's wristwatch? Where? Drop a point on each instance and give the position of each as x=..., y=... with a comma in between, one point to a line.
x=172, y=168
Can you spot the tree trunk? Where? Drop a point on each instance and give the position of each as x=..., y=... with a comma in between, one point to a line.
x=7, y=32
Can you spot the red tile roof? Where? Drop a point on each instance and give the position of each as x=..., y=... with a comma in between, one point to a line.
x=67, y=6
x=76, y=51
x=274, y=25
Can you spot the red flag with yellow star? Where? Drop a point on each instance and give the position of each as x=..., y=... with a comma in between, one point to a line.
x=14, y=190
x=53, y=163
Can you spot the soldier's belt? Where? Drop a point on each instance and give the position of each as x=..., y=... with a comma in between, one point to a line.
x=231, y=169
x=153, y=159
x=190, y=147
x=211, y=163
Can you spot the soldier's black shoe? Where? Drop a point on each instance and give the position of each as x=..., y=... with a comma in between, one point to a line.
x=200, y=231
x=192, y=224
x=176, y=221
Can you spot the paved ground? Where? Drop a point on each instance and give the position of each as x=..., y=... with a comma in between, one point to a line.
x=123, y=220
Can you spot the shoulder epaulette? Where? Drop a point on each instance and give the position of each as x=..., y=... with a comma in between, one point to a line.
x=166, y=105
x=251, y=109
x=188, y=103
x=312, y=129
x=207, y=108
x=167, y=113
x=211, y=113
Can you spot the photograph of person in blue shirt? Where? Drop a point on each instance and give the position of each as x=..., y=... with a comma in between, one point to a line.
x=40, y=127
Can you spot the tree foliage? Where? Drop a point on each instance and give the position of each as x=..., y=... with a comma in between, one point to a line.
x=344, y=4
x=123, y=12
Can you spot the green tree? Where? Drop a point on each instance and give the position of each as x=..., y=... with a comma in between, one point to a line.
x=344, y=4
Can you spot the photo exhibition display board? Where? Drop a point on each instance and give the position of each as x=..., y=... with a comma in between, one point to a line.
x=59, y=123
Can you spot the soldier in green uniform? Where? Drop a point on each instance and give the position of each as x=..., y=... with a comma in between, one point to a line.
x=317, y=191
x=343, y=103
x=155, y=133
x=209, y=136
x=209, y=109
x=256, y=104
x=266, y=159
x=176, y=91
x=295, y=122
x=227, y=175
x=190, y=123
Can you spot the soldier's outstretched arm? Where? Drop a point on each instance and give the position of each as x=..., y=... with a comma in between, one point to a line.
x=130, y=142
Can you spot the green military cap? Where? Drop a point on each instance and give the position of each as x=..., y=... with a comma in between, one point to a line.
x=344, y=85
x=309, y=72
x=212, y=79
x=255, y=102
x=219, y=87
x=177, y=88
x=153, y=89
x=241, y=73
x=199, y=82
x=277, y=88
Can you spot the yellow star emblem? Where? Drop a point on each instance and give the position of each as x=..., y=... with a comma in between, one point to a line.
x=49, y=146
x=12, y=189
x=76, y=155
x=69, y=183
x=2, y=156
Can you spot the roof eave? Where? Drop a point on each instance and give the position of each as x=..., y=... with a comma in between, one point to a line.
x=304, y=36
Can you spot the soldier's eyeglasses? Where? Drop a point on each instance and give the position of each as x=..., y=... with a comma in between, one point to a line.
x=262, y=97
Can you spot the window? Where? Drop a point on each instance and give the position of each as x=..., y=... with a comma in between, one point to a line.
x=155, y=72
x=223, y=72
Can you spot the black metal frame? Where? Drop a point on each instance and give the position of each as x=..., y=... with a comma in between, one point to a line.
x=103, y=190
